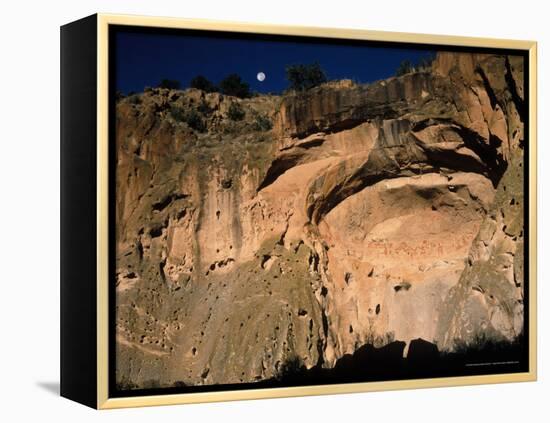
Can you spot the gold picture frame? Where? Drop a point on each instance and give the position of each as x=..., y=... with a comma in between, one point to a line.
x=102, y=400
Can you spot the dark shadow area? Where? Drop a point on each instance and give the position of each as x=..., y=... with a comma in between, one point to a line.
x=50, y=387
x=371, y=364
x=423, y=360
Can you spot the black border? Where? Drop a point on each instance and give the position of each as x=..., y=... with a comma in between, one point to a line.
x=113, y=29
x=78, y=211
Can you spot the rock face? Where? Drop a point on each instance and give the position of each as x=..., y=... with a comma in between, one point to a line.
x=366, y=214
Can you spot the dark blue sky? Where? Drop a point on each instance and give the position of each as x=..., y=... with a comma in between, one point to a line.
x=143, y=59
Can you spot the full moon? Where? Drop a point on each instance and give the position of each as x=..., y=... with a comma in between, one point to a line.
x=260, y=76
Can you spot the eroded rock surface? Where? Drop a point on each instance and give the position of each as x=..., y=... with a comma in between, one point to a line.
x=367, y=214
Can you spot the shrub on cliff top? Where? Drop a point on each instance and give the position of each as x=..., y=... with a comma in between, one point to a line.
x=170, y=84
x=303, y=77
x=200, y=82
x=404, y=68
x=233, y=85
x=425, y=62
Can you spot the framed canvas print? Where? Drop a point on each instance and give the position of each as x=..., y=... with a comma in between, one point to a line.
x=252, y=211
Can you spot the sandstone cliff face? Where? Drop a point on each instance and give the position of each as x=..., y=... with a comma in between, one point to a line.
x=367, y=214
